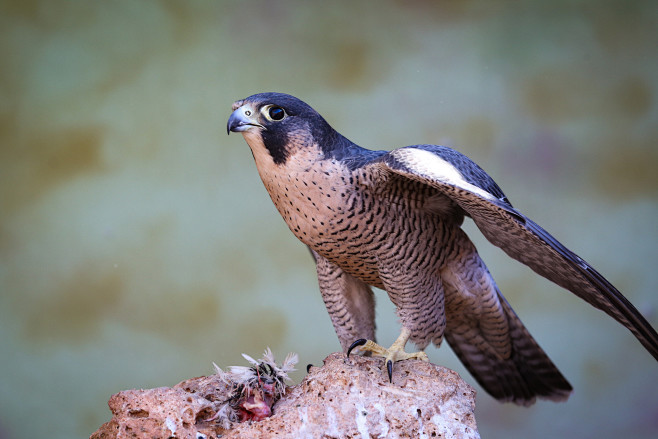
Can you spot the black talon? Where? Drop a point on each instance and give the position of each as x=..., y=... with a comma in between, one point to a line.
x=389, y=367
x=359, y=342
x=308, y=368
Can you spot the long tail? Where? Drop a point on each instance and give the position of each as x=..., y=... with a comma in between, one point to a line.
x=522, y=377
x=488, y=336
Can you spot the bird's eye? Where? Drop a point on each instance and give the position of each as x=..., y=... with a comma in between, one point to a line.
x=276, y=113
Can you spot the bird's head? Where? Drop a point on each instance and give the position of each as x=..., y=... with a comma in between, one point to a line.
x=279, y=125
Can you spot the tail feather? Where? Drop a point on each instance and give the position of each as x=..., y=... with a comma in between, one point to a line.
x=520, y=378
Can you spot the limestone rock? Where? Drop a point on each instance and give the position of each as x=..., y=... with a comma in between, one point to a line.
x=344, y=398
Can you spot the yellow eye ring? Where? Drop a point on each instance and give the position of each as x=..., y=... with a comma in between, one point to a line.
x=274, y=113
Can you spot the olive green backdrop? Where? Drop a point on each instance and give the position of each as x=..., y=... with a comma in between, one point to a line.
x=137, y=244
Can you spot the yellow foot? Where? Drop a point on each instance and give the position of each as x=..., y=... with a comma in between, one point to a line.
x=391, y=355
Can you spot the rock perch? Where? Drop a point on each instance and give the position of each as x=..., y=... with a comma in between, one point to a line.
x=345, y=398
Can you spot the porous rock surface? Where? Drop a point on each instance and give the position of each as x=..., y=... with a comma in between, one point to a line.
x=345, y=398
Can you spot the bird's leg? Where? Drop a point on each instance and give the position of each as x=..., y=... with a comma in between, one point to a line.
x=391, y=355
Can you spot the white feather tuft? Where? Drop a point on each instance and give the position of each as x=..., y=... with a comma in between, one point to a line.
x=289, y=363
x=249, y=359
x=268, y=357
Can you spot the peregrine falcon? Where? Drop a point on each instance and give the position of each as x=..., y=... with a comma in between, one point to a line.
x=392, y=220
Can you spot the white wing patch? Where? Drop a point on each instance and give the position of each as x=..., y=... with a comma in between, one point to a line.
x=431, y=165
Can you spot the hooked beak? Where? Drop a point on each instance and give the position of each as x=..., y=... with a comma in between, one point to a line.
x=242, y=119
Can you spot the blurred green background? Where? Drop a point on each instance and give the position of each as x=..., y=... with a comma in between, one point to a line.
x=138, y=245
